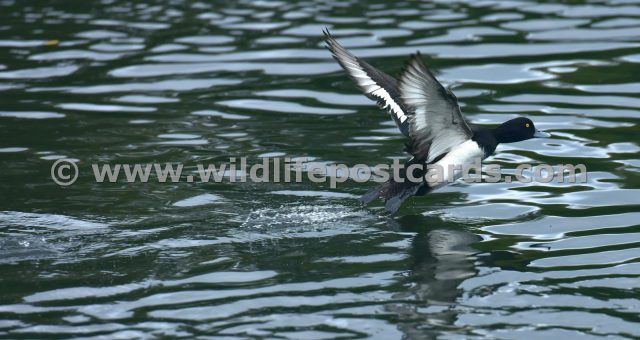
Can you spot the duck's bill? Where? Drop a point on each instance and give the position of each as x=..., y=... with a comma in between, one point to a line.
x=541, y=134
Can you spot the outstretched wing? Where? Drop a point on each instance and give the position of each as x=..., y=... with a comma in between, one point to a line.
x=436, y=124
x=375, y=84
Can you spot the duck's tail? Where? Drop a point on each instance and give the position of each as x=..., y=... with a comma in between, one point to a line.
x=393, y=193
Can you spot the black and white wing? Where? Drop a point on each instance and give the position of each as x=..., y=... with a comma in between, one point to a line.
x=436, y=124
x=375, y=84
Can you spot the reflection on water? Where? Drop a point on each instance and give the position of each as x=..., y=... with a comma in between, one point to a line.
x=442, y=259
x=189, y=82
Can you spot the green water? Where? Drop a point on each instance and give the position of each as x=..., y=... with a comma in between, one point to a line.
x=200, y=82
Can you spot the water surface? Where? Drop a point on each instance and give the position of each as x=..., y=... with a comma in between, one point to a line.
x=188, y=82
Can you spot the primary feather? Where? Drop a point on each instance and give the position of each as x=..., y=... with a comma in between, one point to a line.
x=375, y=84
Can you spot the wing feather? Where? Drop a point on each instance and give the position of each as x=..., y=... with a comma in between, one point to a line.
x=436, y=124
x=375, y=84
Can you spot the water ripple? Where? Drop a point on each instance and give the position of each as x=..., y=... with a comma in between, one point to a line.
x=302, y=260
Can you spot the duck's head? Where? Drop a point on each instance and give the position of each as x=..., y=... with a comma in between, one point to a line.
x=517, y=129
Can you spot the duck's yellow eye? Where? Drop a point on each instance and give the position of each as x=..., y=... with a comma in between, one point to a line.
x=526, y=125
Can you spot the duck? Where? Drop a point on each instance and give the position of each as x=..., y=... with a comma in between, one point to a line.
x=429, y=116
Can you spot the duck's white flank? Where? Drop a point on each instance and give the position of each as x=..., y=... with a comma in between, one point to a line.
x=462, y=155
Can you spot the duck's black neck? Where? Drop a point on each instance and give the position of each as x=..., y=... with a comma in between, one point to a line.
x=505, y=134
x=486, y=139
